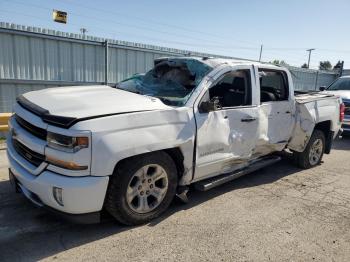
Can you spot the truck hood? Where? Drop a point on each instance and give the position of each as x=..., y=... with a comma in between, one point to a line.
x=345, y=94
x=85, y=102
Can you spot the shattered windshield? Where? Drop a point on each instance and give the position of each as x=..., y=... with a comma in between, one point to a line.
x=171, y=80
x=340, y=84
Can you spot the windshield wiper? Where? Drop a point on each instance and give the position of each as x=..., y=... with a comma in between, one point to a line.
x=135, y=92
x=167, y=101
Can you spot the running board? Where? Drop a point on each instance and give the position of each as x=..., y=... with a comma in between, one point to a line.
x=210, y=183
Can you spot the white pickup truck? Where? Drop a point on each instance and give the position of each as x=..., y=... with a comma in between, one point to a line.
x=131, y=148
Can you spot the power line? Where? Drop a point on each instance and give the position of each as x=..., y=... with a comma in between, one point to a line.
x=133, y=26
x=101, y=29
x=151, y=21
x=216, y=46
x=137, y=35
x=158, y=23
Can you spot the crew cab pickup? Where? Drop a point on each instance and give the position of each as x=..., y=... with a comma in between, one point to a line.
x=129, y=149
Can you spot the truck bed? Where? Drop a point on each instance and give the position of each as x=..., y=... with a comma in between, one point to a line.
x=310, y=96
x=313, y=108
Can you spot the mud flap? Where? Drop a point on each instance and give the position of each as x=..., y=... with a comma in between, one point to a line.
x=329, y=142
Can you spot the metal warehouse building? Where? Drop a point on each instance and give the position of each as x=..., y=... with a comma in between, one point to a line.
x=33, y=58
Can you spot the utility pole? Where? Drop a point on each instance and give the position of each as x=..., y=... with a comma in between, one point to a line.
x=261, y=47
x=309, y=50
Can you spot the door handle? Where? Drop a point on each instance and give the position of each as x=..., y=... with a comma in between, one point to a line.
x=248, y=119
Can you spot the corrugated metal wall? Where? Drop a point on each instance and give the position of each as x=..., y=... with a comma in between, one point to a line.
x=33, y=58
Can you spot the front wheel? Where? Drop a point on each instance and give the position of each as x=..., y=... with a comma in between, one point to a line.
x=313, y=153
x=142, y=188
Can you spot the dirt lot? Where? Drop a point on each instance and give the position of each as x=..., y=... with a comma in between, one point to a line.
x=279, y=213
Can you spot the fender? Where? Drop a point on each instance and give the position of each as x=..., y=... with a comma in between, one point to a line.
x=117, y=137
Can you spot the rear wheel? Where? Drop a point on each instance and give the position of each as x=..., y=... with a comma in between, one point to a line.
x=142, y=188
x=313, y=153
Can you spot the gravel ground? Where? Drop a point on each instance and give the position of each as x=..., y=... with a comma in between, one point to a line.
x=280, y=213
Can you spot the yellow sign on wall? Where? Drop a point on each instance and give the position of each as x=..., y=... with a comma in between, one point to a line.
x=59, y=16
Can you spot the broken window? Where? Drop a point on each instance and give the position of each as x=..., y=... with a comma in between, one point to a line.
x=171, y=80
x=234, y=89
x=273, y=85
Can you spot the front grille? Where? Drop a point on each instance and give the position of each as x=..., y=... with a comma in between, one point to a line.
x=36, y=131
x=33, y=157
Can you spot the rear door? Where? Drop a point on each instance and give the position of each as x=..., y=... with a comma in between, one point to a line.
x=227, y=136
x=276, y=109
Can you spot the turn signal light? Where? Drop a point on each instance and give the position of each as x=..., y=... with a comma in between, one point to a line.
x=65, y=164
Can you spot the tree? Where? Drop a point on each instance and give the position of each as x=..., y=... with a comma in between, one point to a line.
x=304, y=65
x=325, y=65
x=279, y=62
x=338, y=65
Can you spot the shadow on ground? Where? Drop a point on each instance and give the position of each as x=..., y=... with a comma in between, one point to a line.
x=342, y=144
x=29, y=233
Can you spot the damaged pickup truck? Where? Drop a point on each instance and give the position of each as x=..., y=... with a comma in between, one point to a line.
x=131, y=148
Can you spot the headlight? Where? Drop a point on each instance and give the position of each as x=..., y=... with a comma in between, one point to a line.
x=66, y=143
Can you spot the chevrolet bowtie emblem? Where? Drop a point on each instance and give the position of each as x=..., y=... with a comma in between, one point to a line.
x=28, y=155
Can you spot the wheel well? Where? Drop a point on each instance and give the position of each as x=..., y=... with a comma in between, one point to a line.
x=175, y=153
x=325, y=127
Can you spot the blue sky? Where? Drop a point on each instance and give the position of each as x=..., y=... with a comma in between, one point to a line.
x=235, y=28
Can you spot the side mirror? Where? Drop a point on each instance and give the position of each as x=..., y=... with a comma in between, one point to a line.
x=208, y=106
x=322, y=88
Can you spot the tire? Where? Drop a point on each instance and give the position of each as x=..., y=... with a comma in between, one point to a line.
x=133, y=175
x=309, y=157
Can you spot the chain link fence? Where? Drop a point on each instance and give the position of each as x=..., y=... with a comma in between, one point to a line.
x=307, y=79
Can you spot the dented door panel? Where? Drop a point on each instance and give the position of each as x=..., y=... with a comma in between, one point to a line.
x=224, y=141
x=276, y=126
x=226, y=138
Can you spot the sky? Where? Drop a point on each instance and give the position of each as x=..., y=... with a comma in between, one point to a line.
x=237, y=28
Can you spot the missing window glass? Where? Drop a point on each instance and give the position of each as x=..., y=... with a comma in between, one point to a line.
x=273, y=85
x=233, y=89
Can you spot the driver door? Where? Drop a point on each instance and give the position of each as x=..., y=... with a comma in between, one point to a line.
x=227, y=135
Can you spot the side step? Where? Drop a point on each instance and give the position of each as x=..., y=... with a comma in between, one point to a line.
x=210, y=183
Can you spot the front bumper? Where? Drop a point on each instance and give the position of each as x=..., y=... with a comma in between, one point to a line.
x=81, y=195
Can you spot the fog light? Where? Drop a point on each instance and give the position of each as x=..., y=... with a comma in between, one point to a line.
x=58, y=195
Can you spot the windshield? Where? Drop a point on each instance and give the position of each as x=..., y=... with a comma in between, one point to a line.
x=340, y=84
x=172, y=80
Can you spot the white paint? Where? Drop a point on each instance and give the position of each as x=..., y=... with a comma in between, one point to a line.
x=224, y=142
x=80, y=195
x=87, y=101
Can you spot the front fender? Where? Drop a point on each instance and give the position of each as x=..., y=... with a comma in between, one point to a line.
x=118, y=137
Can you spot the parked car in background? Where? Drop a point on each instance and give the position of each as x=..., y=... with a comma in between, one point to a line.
x=341, y=87
x=129, y=149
